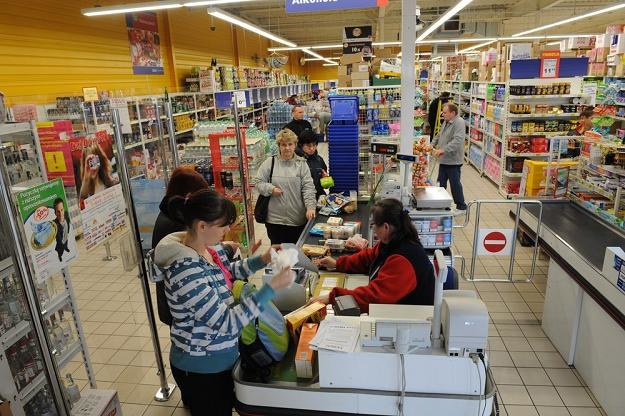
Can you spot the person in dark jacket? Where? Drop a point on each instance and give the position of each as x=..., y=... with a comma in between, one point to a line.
x=308, y=142
x=433, y=112
x=298, y=124
x=399, y=269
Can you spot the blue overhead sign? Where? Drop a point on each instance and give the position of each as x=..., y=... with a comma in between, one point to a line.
x=306, y=6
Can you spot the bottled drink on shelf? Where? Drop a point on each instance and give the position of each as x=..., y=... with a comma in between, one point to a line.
x=41, y=404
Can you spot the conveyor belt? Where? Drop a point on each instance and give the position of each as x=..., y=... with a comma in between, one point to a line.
x=361, y=214
x=588, y=235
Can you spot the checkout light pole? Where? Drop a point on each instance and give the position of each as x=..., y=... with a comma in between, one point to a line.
x=408, y=41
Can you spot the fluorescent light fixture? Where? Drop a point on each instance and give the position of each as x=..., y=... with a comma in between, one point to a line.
x=472, y=48
x=612, y=8
x=130, y=8
x=386, y=43
x=220, y=14
x=552, y=43
x=417, y=54
x=320, y=59
x=326, y=46
x=316, y=55
x=213, y=2
x=451, y=12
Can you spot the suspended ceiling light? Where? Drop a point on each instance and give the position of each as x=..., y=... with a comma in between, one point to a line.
x=213, y=2
x=220, y=14
x=612, y=8
x=451, y=12
x=472, y=48
x=130, y=8
x=322, y=59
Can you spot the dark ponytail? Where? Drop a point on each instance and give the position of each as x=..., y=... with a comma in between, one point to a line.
x=203, y=205
x=391, y=211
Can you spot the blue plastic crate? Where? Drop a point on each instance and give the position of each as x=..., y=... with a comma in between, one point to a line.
x=344, y=108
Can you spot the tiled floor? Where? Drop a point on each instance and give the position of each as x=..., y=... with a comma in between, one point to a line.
x=531, y=377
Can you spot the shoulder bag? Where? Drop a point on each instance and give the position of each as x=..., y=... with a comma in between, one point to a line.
x=262, y=203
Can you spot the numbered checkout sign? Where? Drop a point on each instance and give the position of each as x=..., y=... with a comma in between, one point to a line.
x=495, y=242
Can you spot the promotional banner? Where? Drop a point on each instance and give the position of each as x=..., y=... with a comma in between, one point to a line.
x=103, y=214
x=358, y=39
x=307, y=6
x=550, y=64
x=94, y=164
x=47, y=226
x=145, y=43
x=57, y=157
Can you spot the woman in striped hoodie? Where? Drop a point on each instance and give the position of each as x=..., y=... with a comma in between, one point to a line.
x=206, y=323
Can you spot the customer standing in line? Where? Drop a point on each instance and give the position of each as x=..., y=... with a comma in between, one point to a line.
x=298, y=124
x=206, y=322
x=291, y=188
x=449, y=150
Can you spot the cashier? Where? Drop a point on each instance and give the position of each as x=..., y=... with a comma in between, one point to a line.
x=398, y=267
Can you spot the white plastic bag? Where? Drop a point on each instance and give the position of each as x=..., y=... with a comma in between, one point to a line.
x=283, y=259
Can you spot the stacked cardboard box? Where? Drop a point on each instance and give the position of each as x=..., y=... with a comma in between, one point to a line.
x=607, y=58
x=353, y=71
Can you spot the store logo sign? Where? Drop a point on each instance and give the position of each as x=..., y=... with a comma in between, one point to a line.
x=307, y=6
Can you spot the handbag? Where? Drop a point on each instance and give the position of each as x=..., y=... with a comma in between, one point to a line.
x=262, y=203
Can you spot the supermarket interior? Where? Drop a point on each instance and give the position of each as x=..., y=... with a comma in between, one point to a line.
x=312, y=207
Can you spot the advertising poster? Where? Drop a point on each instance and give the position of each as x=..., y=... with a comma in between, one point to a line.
x=57, y=157
x=94, y=164
x=550, y=64
x=102, y=215
x=145, y=43
x=47, y=226
x=307, y=6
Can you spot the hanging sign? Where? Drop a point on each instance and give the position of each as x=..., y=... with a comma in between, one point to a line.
x=90, y=94
x=145, y=43
x=357, y=33
x=550, y=64
x=48, y=227
x=307, y=6
x=492, y=242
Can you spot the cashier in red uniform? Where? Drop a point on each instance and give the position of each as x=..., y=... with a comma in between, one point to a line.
x=398, y=267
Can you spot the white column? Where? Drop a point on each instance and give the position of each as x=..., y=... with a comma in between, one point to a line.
x=408, y=39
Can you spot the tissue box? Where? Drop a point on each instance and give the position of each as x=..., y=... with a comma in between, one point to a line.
x=98, y=403
x=305, y=356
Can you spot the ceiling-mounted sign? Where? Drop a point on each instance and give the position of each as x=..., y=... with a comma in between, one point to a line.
x=356, y=47
x=307, y=6
x=357, y=33
x=550, y=64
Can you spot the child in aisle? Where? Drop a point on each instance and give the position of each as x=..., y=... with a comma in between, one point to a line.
x=308, y=142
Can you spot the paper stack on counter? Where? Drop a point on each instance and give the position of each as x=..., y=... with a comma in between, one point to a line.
x=336, y=335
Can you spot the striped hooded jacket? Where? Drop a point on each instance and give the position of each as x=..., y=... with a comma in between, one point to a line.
x=206, y=324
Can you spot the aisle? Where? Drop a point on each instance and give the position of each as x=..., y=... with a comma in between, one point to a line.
x=531, y=377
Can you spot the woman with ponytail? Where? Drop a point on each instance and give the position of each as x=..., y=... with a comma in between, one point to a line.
x=398, y=268
x=206, y=323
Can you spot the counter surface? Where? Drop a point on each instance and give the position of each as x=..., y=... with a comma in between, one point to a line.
x=585, y=233
x=361, y=214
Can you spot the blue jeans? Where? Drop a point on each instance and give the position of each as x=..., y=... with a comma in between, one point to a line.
x=452, y=173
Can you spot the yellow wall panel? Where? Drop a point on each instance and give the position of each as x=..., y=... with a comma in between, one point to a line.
x=318, y=72
x=48, y=49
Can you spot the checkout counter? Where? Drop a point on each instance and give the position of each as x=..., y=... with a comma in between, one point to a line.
x=444, y=374
x=584, y=312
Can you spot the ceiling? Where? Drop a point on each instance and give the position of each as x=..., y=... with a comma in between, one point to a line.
x=481, y=18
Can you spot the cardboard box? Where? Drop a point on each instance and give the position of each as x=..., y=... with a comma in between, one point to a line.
x=614, y=267
x=305, y=356
x=360, y=68
x=328, y=281
x=602, y=41
x=601, y=54
x=385, y=53
x=97, y=403
x=352, y=58
x=344, y=70
x=5, y=409
x=617, y=44
x=614, y=29
x=598, y=69
x=520, y=51
x=361, y=83
x=360, y=75
x=345, y=81
x=581, y=43
x=294, y=320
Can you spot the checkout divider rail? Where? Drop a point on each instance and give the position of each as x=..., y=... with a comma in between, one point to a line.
x=476, y=231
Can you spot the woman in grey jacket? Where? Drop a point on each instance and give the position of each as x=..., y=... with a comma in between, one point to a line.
x=291, y=188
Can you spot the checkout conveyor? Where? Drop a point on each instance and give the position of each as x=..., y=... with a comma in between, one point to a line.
x=584, y=310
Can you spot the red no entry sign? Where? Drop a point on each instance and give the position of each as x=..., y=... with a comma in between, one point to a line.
x=494, y=242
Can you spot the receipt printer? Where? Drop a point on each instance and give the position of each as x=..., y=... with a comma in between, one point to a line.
x=465, y=325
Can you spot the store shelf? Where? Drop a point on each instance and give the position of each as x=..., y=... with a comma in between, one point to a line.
x=492, y=136
x=465, y=94
x=539, y=97
x=14, y=334
x=615, y=117
x=511, y=154
x=477, y=143
x=435, y=232
x=596, y=189
x=465, y=109
x=494, y=156
x=496, y=181
x=13, y=128
x=544, y=134
x=55, y=304
x=543, y=115
x=481, y=97
x=32, y=388
x=184, y=131
x=501, y=123
x=132, y=145
x=184, y=113
x=512, y=174
x=66, y=356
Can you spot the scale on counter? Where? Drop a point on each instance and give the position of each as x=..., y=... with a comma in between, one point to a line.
x=431, y=197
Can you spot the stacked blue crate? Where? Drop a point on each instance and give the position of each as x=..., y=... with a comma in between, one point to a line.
x=343, y=142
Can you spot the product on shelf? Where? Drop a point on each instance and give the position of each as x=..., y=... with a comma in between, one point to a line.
x=561, y=88
x=420, y=169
